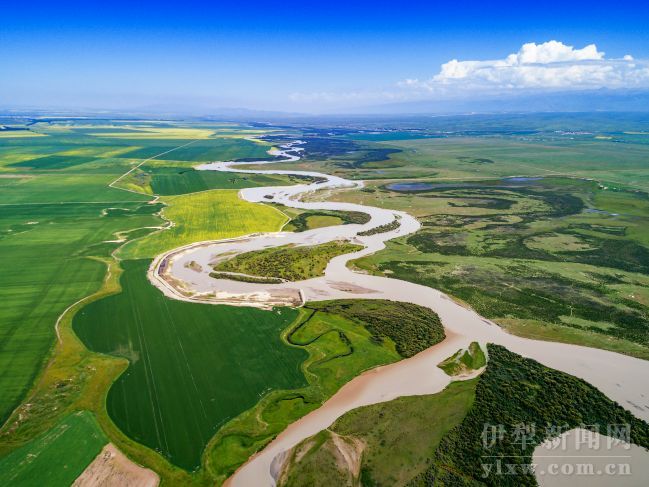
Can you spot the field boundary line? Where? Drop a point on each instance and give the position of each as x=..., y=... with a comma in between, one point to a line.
x=112, y=184
x=75, y=202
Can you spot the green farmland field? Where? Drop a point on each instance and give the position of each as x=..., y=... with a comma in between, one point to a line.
x=193, y=366
x=59, y=223
x=209, y=215
x=45, y=268
x=218, y=149
x=56, y=458
x=181, y=180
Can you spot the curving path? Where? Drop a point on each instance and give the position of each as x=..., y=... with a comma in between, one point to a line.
x=184, y=274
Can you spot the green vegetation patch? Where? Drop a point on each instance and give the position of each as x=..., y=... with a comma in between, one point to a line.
x=292, y=263
x=447, y=438
x=183, y=381
x=545, y=401
x=412, y=328
x=310, y=219
x=208, y=150
x=57, y=457
x=508, y=291
x=464, y=361
x=557, y=242
x=388, y=227
x=54, y=162
x=322, y=462
x=546, y=267
x=244, y=278
x=394, y=440
x=181, y=180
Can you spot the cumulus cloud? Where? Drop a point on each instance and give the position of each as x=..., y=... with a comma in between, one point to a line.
x=550, y=65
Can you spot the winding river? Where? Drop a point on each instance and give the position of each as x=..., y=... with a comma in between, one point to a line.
x=184, y=274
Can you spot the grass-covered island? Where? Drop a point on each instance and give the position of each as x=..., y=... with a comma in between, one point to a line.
x=465, y=361
x=290, y=263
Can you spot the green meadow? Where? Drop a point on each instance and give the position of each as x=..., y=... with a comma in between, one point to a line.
x=464, y=361
x=469, y=149
x=398, y=439
x=56, y=458
x=302, y=220
x=552, y=258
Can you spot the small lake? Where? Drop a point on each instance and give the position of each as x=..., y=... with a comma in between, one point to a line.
x=409, y=186
x=521, y=179
x=601, y=212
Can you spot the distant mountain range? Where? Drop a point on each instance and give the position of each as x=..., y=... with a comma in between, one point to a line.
x=565, y=101
x=604, y=100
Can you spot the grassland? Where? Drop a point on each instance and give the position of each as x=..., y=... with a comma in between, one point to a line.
x=311, y=219
x=489, y=153
x=292, y=263
x=208, y=215
x=553, y=258
x=77, y=436
x=412, y=328
x=398, y=440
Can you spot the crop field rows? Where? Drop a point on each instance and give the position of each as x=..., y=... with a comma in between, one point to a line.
x=193, y=367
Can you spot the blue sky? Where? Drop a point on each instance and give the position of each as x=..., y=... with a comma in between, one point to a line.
x=300, y=56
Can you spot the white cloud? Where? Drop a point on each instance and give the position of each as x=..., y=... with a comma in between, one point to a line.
x=550, y=65
x=535, y=68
